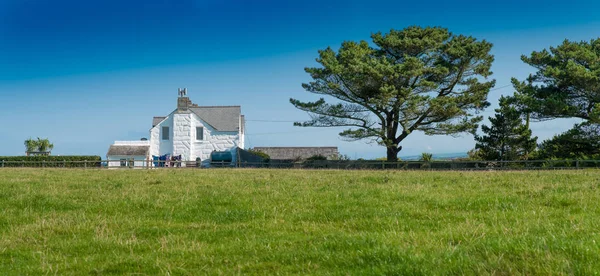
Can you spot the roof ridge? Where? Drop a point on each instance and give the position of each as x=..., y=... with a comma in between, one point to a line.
x=213, y=106
x=297, y=147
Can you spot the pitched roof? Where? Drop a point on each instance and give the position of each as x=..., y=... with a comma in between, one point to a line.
x=128, y=150
x=222, y=118
x=156, y=120
x=289, y=153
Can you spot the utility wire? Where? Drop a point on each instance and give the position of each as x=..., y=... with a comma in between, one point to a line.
x=498, y=88
x=270, y=121
x=287, y=132
x=284, y=121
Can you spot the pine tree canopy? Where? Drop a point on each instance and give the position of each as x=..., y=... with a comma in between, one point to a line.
x=566, y=84
x=415, y=79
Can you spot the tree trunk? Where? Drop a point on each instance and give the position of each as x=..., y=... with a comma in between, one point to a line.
x=392, y=153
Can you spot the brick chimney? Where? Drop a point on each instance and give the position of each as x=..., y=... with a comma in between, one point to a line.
x=183, y=102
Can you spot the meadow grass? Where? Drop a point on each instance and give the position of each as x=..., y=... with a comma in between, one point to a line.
x=260, y=221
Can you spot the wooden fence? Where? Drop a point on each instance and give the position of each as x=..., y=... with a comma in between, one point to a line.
x=321, y=164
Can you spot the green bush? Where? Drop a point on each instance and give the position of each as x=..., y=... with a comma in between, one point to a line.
x=266, y=158
x=72, y=161
x=316, y=158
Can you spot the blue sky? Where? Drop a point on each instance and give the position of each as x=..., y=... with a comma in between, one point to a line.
x=86, y=73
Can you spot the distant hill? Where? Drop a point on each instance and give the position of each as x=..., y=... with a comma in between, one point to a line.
x=437, y=156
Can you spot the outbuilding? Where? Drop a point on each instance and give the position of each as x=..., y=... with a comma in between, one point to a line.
x=129, y=154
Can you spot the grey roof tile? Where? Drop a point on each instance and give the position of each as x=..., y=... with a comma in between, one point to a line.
x=222, y=118
x=128, y=150
x=156, y=120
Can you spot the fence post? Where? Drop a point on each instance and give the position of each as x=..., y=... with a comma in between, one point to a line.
x=577, y=164
x=64, y=164
x=85, y=164
x=43, y=163
x=2, y=163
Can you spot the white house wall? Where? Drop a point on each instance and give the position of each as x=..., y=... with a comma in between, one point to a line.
x=241, y=140
x=213, y=140
x=114, y=161
x=182, y=135
x=182, y=138
x=154, y=141
x=241, y=135
x=158, y=146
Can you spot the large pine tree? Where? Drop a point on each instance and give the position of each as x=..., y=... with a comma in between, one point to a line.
x=507, y=138
x=405, y=81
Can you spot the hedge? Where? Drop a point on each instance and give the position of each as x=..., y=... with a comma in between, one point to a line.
x=73, y=161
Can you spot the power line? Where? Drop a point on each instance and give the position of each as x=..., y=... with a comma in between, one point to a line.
x=498, y=88
x=271, y=121
x=284, y=121
x=288, y=132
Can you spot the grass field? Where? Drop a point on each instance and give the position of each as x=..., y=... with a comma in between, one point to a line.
x=227, y=221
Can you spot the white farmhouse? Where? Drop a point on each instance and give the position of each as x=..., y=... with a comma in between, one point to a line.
x=190, y=131
x=194, y=131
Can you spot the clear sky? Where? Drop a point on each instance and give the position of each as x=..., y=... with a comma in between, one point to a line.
x=86, y=73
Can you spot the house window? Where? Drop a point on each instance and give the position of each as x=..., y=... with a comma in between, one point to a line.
x=123, y=162
x=199, y=133
x=165, y=133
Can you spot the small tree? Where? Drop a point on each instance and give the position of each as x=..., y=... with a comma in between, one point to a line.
x=31, y=145
x=474, y=155
x=44, y=145
x=507, y=138
x=426, y=158
x=40, y=146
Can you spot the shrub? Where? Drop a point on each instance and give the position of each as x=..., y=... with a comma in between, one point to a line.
x=317, y=157
x=266, y=158
x=426, y=158
x=340, y=157
x=72, y=161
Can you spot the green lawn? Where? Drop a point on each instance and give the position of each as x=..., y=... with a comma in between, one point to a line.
x=235, y=221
